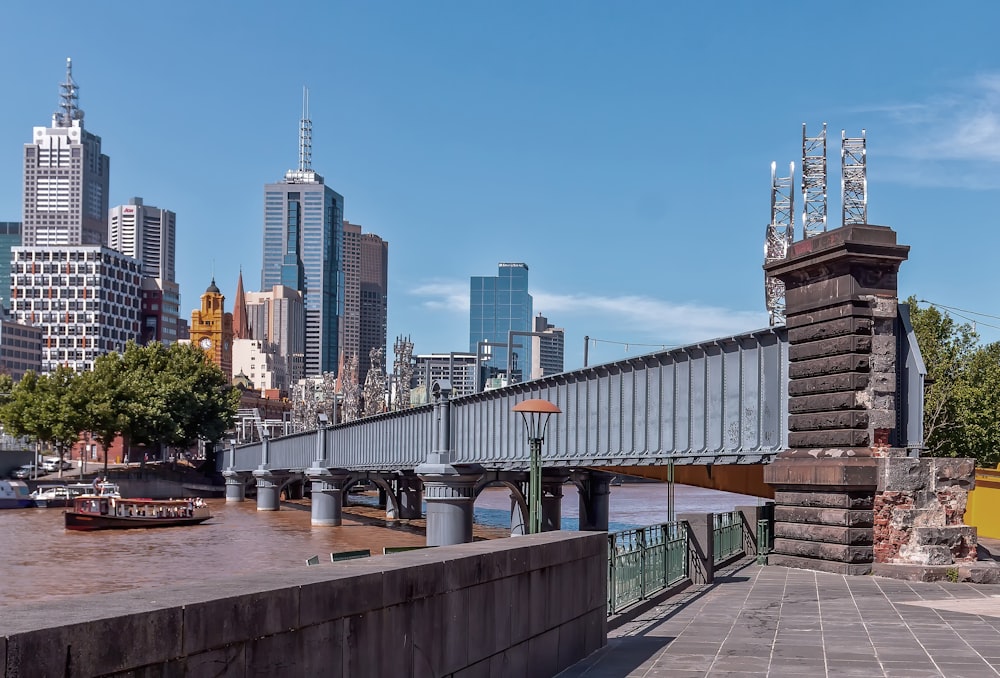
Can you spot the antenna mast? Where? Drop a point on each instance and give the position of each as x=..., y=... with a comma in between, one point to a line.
x=813, y=183
x=779, y=235
x=854, y=180
x=69, y=100
x=305, y=134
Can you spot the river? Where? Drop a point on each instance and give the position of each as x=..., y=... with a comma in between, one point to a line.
x=39, y=559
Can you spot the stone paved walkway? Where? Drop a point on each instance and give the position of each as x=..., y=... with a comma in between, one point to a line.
x=775, y=621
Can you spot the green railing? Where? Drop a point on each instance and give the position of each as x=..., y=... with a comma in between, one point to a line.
x=727, y=534
x=763, y=540
x=644, y=561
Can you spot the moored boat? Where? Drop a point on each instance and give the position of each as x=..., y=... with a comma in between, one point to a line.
x=49, y=496
x=97, y=512
x=14, y=494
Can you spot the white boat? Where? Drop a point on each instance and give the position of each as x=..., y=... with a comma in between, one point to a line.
x=48, y=496
x=14, y=494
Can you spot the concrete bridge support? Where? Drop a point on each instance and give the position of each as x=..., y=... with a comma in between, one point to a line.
x=236, y=488
x=552, y=496
x=268, y=489
x=409, y=496
x=327, y=495
x=595, y=490
x=448, y=489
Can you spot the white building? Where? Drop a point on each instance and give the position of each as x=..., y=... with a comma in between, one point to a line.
x=277, y=318
x=459, y=368
x=65, y=179
x=86, y=299
x=259, y=363
x=145, y=233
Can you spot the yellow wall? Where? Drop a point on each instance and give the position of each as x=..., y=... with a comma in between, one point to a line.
x=983, y=511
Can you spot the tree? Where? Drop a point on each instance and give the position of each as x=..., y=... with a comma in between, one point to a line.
x=961, y=390
x=154, y=394
x=50, y=409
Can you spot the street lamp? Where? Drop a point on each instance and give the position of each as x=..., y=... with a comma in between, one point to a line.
x=535, y=413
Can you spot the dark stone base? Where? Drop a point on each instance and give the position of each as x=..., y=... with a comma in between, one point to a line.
x=823, y=512
x=819, y=565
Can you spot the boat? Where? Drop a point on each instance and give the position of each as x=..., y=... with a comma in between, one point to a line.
x=108, y=512
x=49, y=496
x=14, y=494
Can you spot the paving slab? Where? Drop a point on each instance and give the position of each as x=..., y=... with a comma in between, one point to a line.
x=781, y=623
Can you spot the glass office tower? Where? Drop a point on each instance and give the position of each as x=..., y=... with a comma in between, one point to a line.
x=498, y=305
x=303, y=250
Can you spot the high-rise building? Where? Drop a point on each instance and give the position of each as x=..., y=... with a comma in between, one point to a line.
x=303, y=250
x=277, y=318
x=497, y=306
x=86, y=299
x=10, y=236
x=374, y=299
x=20, y=348
x=65, y=179
x=350, y=343
x=548, y=349
x=145, y=233
x=458, y=368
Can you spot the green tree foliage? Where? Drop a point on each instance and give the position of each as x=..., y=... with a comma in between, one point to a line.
x=151, y=395
x=50, y=408
x=962, y=388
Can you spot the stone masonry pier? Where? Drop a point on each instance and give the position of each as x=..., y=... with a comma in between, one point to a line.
x=529, y=606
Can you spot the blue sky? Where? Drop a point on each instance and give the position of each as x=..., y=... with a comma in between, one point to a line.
x=621, y=150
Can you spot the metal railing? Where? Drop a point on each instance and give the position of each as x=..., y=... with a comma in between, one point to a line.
x=727, y=535
x=763, y=540
x=643, y=561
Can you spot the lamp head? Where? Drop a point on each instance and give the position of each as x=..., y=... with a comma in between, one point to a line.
x=536, y=413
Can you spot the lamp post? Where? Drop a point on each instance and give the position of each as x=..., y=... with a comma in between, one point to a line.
x=535, y=413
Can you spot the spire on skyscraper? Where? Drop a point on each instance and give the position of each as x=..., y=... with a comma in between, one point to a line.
x=241, y=330
x=305, y=134
x=69, y=100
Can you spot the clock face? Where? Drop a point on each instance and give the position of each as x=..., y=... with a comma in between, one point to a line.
x=205, y=343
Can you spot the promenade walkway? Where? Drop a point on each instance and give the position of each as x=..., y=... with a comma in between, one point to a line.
x=775, y=621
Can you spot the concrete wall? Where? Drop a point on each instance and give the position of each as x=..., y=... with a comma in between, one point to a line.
x=525, y=606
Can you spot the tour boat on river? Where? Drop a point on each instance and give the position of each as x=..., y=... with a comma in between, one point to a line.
x=97, y=512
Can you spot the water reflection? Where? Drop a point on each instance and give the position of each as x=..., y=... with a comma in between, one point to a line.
x=40, y=559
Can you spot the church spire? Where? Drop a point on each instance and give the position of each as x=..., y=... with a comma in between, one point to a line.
x=241, y=329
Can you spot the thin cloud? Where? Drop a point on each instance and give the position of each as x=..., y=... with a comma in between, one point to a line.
x=671, y=322
x=636, y=315
x=444, y=295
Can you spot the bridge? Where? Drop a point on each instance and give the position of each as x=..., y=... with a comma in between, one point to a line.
x=720, y=402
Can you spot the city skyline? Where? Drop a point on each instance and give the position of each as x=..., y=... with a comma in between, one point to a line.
x=634, y=141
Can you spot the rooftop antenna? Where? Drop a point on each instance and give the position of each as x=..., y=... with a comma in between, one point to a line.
x=813, y=183
x=779, y=235
x=305, y=134
x=69, y=100
x=854, y=179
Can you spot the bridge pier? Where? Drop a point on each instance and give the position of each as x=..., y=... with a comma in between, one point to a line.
x=268, y=489
x=552, y=495
x=236, y=489
x=450, y=493
x=409, y=496
x=327, y=495
x=595, y=491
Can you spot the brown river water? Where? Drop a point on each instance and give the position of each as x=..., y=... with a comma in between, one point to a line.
x=39, y=559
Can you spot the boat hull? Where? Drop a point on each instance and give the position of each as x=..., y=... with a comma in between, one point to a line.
x=90, y=521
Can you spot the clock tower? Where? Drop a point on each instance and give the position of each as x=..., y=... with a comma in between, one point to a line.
x=212, y=329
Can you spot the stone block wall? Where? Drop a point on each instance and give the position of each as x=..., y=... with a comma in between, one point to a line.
x=526, y=606
x=918, y=512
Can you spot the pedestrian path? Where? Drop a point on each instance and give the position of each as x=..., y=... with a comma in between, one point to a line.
x=781, y=622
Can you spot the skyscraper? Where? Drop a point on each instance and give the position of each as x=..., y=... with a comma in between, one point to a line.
x=65, y=179
x=548, y=349
x=303, y=249
x=145, y=233
x=498, y=305
x=350, y=343
x=374, y=299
